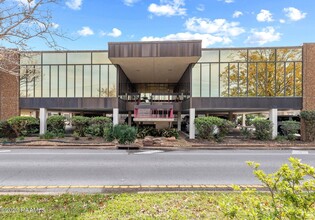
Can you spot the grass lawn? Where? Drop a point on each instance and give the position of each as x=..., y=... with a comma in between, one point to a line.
x=187, y=205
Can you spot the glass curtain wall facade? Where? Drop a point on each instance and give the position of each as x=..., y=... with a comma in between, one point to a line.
x=67, y=74
x=262, y=72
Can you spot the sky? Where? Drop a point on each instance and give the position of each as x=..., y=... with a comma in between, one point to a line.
x=218, y=23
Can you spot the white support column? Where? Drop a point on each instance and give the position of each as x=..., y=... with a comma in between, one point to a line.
x=43, y=120
x=243, y=120
x=179, y=121
x=192, y=115
x=115, y=116
x=273, y=117
x=129, y=118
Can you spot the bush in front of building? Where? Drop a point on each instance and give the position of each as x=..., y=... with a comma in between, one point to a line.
x=56, y=124
x=81, y=123
x=24, y=125
x=6, y=131
x=308, y=119
x=150, y=131
x=97, y=125
x=212, y=128
x=290, y=129
x=263, y=129
x=123, y=133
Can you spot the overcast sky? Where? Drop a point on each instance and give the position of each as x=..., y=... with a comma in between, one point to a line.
x=219, y=23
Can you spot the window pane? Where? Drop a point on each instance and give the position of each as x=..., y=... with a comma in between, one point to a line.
x=289, y=79
x=104, y=81
x=196, y=80
x=205, y=84
x=112, y=80
x=233, y=55
x=214, y=80
x=242, y=79
x=261, y=55
x=54, y=81
x=87, y=81
x=23, y=81
x=79, y=58
x=46, y=81
x=209, y=56
x=30, y=58
x=252, y=79
x=30, y=79
x=224, y=80
x=271, y=79
x=38, y=82
x=54, y=58
x=95, y=81
x=280, y=79
x=78, y=81
x=289, y=54
x=100, y=58
x=62, y=81
x=233, y=79
x=70, y=81
x=262, y=79
x=298, y=79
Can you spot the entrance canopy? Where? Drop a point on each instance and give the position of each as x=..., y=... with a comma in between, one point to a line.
x=155, y=62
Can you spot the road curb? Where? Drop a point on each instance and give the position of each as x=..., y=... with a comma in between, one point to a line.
x=125, y=188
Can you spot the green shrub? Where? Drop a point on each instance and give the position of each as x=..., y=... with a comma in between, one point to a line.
x=308, y=118
x=290, y=128
x=246, y=133
x=47, y=135
x=292, y=194
x=81, y=123
x=6, y=131
x=108, y=133
x=263, y=129
x=170, y=132
x=23, y=125
x=124, y=134
x=212, y=128
x=97, y=125
x=56, y=124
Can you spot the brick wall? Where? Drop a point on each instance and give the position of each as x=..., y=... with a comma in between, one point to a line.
x=9, y=85
x=308, y=80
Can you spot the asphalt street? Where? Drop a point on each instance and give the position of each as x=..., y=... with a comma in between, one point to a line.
x=34, y=167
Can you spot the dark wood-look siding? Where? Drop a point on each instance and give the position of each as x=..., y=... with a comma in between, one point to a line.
x=246, y=103
x=101, y=104
x=155, y=49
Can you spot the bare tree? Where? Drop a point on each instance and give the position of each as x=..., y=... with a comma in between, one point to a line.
x=20, y=22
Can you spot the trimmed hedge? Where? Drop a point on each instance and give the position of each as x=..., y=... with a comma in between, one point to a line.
x=263, y=129
x=212, y=128
x=6, y=131
x=80, y=123
x=290, y=128
x=24, y=125
x=56, y=124
x=150, y=131
x=124, y=134
x=97, y=125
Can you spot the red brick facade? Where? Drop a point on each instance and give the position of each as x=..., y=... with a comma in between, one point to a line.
x=9, y=86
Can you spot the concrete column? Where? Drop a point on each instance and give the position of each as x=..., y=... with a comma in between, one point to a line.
x=192, y=115
x=43, y=120
x=243, y=120
x=115, y=116
x=129, y=118
x=179, y=120
x=273, y=117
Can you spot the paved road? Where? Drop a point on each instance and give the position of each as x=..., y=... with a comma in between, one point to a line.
x=120, y=167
